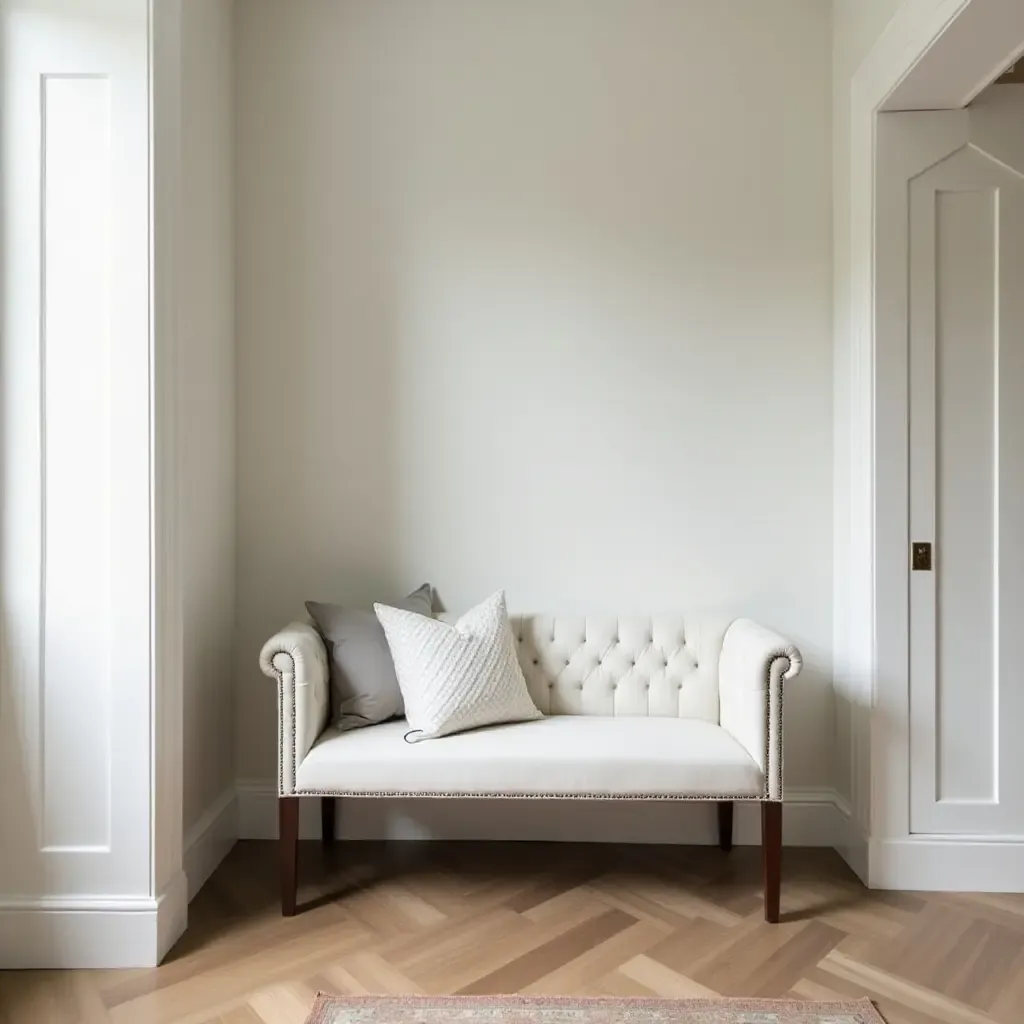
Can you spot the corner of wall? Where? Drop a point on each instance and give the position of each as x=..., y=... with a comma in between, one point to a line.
x=208, y=450
x=851, y=842
x=210, y=840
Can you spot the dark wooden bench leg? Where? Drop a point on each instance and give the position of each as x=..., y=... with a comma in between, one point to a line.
x=725, y=825
x=771, y=853
x=288, y=848
x=327, y=818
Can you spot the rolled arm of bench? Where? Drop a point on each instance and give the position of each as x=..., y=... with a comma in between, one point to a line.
x=754, y=664
x=297, y=658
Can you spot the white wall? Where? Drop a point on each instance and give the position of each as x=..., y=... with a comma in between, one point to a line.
x=206, y=407
x=856, y=26
x=536, y=296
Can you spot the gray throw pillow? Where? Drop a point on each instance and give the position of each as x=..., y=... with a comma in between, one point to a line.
x=364, y=687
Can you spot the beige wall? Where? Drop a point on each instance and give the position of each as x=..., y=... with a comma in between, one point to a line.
x=536, y=296
x=206, y=404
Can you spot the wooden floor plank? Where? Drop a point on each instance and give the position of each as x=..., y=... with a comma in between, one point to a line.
x=591, y=965
x=559, y=920
x=527, y=968
x=662, y=980
x=367, y=973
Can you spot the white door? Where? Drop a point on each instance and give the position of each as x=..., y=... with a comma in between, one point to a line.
x=965, y=315
x=75, y=434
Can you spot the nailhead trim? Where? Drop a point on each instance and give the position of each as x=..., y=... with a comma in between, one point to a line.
x=281, y=727
x=774, y=656
x=412, y=794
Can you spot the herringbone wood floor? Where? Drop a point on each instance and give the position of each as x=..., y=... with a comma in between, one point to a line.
x=489, y=918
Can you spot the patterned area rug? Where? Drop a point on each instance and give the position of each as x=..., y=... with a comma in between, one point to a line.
x=523, y=1010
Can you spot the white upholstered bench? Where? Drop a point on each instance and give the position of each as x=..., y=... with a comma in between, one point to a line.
x=635, y=709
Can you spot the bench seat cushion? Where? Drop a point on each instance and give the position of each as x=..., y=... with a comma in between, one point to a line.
x=563, y=756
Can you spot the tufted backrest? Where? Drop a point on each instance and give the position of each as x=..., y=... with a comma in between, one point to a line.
x=640, y=667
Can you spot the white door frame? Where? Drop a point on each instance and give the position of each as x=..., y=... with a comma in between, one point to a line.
x=935, y=54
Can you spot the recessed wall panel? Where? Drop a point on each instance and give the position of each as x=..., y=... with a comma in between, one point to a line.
x=966, y=449
x=75, y=352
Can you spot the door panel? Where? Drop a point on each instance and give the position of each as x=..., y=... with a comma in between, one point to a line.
x=75, y=554
x=966, y=349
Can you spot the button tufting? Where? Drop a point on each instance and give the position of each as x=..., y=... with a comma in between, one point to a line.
x=536, y=661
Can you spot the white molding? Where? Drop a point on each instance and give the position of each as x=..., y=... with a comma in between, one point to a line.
x=910, y=63
x=914, y=29
x=91, y=932
x=210, y=840
x=948, y=864
x=957, y=65
x=864, y=566
x=811, y=818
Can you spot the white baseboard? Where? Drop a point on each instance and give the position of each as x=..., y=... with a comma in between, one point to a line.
x=811, y=818
x=948, y=864
x=210, y=840
x=92, y=932
x=110, y=932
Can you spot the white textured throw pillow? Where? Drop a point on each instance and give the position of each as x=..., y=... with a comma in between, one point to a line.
x=457, y=677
